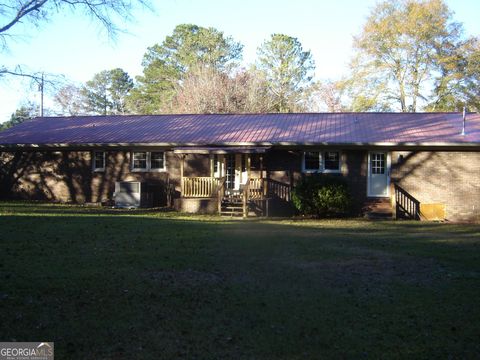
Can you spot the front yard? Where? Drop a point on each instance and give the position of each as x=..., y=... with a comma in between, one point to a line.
x=105, y=284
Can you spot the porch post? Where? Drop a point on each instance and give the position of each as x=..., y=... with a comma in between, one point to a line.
x=181, y=175
x=249, y=162
x=212, y=165
x=261, y=166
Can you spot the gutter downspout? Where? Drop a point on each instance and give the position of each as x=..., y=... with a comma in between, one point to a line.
x=463, y=117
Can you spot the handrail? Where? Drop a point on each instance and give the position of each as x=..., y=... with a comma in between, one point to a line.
x=220, y=193
x=256, y=186
x=277, y=189
x=199, y=186
x=406, y=206
x=245, y=198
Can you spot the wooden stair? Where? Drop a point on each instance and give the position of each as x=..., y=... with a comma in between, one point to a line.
x=232, y=207
x=378, y=209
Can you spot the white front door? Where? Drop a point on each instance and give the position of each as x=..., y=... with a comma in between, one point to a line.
x=237, y=168
x=378, y=174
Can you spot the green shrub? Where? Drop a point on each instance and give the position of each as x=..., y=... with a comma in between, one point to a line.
x=322, y=195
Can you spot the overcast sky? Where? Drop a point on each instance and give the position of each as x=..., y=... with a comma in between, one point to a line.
x=75, y=47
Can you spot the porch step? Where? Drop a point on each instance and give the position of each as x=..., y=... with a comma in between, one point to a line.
x=377, y=208
x=231, y=214
x=232, y=206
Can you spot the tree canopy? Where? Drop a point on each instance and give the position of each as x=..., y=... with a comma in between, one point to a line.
x=25, y=112
x=165, y=64
x=399, y=52
x=288, y=70
x=105, y=94
x=410, y=55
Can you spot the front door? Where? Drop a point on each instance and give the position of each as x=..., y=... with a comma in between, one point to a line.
x=378, y=174
x=230, y=171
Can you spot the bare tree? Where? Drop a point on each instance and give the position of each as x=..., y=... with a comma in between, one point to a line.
x=69, y=100
x=37, y=12
x=207, y=90
x=327, y=96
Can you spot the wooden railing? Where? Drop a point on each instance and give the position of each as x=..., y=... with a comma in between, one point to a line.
x=200, y=186
x=220, y=193
x=246, y=196
x=406, y=206
x=276, y=189
x=256, y=188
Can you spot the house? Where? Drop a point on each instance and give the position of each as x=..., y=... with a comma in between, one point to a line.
x=425, y=164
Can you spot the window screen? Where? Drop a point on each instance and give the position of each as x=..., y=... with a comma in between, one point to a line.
x=99, y=160
x=332, y=160
x=139, y=160
x=157, y=160
x=312, y=161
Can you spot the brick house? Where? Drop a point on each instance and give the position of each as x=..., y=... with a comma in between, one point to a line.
x=423, y=164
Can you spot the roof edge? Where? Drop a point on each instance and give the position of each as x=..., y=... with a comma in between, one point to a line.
x=287, y=143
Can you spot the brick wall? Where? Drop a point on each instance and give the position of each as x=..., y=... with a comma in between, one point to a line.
x=67, y=176
x=448, y=177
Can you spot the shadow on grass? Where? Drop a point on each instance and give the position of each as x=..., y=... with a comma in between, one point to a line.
x=181, y=286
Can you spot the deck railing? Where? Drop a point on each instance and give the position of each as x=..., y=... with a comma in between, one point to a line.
x=276, y=189
x=406, y=206
x=256, y=188
x=202, y=187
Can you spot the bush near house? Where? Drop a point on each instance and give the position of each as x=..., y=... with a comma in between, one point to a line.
x=322, y=196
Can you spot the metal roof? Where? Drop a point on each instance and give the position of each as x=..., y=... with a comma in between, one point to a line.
x=247, y=129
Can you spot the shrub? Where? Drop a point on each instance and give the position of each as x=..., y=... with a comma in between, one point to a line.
x=322, y=195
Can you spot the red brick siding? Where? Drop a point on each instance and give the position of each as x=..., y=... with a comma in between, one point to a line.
x=67, y=176
x=448, y=177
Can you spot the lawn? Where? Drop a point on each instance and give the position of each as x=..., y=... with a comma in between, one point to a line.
x=105, y=284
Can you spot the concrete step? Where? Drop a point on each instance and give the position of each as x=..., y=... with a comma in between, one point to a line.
x=231, y=213
x=377, y=208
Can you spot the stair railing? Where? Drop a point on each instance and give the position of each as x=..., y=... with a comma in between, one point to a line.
x=246, y=193
x=277, y=189
x=220, y=193
x=256, y=188
x=406, y=206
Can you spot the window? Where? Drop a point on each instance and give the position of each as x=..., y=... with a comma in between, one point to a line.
x=157, y=161
x=327, y=161
x=312, y=161
x=331, y=161
x=139, y=161
x=377, y=161
x=148, y=161
x=98, y=161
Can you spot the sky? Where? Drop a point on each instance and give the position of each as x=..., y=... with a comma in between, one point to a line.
x=75, y=47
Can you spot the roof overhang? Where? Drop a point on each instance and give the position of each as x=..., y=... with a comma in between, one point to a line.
x=221, y=150
x=245, y=147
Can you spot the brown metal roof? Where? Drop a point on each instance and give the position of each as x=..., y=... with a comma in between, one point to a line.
x=248, y=129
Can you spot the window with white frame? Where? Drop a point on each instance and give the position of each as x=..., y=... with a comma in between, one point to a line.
x=157, y=160
x=99, y=160
x=331, y=161
x=139, y=160
x=312, y=161
x=148, y=161
x=317, y=161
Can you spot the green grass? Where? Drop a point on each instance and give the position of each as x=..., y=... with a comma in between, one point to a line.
x=109, y=284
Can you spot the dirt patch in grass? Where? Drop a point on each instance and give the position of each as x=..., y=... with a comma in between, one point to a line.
x=184, y=278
